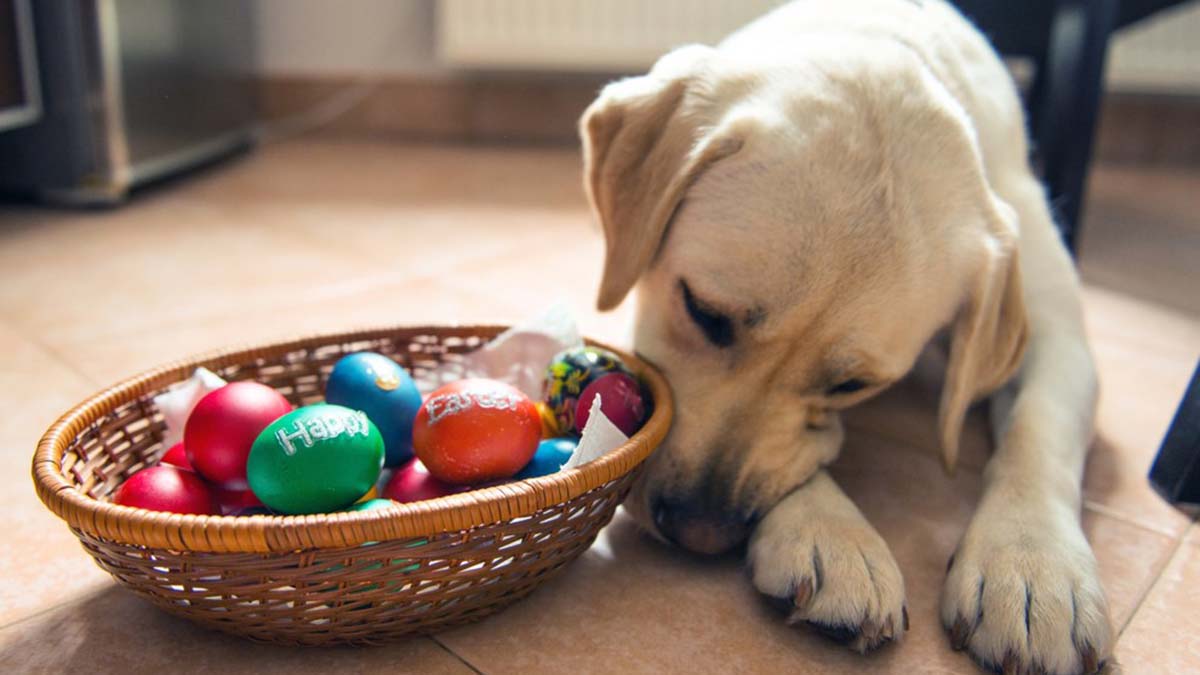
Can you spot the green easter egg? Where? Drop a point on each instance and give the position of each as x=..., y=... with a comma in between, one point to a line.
x=316, y=459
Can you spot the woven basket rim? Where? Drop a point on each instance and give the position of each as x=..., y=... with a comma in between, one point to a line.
x=271, y=534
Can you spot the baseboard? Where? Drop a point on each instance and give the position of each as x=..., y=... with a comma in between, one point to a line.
x=518, y=108
x=544, y=108
x=1149, y=130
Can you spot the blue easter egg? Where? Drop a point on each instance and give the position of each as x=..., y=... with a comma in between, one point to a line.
x=381, y=388
x=551, y=454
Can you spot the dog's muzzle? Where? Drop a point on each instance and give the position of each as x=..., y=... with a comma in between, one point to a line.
x=699, y=528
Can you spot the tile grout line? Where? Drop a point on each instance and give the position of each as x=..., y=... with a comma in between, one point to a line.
x=1099, y=508
x=1110, y=512
x=346, y=288
x=1168, y=559
x=424, y=270
x=451, y=652
x=54, y=354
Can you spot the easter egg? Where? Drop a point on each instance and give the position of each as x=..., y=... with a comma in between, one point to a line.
x=412, y=482
x=620, y=400
x=549, y=421
x=551, y=454
x=223, y=426
x=476, y=430
x=166, y=488
x=316, y=459
x=372, y=504
x=231, y=501
x=258, y=510
x=569, y=374
x=176, y=457
x=382, y=389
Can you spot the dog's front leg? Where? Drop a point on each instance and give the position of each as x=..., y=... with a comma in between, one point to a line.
x=816, y=553
x=1022, y=591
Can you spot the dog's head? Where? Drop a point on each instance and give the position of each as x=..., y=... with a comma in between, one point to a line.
x=797, y=234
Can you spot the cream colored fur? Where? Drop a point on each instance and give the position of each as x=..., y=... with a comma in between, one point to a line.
x=844, y=180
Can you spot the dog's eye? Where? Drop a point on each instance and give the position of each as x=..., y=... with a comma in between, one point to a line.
x=847, y=387
x=717, y=327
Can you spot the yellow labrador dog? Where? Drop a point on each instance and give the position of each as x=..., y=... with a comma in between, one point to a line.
x=802, y=208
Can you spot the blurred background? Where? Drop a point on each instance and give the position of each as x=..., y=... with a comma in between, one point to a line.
x=178, y=176
x=101, y=97
x=127, y=91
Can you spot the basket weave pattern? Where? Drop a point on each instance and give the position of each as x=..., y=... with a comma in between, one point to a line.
x=362, y=577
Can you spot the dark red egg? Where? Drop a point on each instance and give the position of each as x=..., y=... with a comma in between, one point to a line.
x=176, y=457
x=232, y=501
x=412, y=482
x=167, y=488
x=620, y=400
x=223, y=426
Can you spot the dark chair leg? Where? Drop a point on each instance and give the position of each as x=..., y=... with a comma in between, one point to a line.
x=1069, y=93
x=1176, y=470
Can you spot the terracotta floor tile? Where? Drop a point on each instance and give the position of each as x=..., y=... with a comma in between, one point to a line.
x=425, y=240
x=1162, y=637
x=83, y=276
x=113, y=631
x=338, y=307
x=1141, y=234
x=41, y=562
x=633, y=605
x=1112, y=314
x=320, y=171
x=1141, y=387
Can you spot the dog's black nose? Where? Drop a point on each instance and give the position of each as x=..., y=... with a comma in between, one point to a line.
x=699, y=528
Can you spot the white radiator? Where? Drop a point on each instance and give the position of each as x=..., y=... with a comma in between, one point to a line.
x=628, y=35
x=1161, y=55
x=581, y=35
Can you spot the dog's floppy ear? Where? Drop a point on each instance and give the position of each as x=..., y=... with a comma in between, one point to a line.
x=645, y=139
x=989, y=328
x=988, y=336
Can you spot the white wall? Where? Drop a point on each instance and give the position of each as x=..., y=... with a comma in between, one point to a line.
x=1160, y=55
x=388, y=37
x=346, y=37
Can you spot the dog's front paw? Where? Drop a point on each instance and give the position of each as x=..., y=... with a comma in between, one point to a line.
x=1023, y=597
x=835, y=574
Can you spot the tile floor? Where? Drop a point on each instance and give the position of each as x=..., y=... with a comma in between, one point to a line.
x=315, y=235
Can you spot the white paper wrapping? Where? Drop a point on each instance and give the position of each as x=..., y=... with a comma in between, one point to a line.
x=518, y=356
x=177, y=403
x=600, y=437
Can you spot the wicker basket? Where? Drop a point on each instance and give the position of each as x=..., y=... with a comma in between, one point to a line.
x=361, y=577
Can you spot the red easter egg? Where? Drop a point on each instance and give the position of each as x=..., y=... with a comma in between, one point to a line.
x=620, y=400
x=232, y=501
x=476, y=430
x=167, y=488
x=220, y=431
x=412, y=482
x=176, y=457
